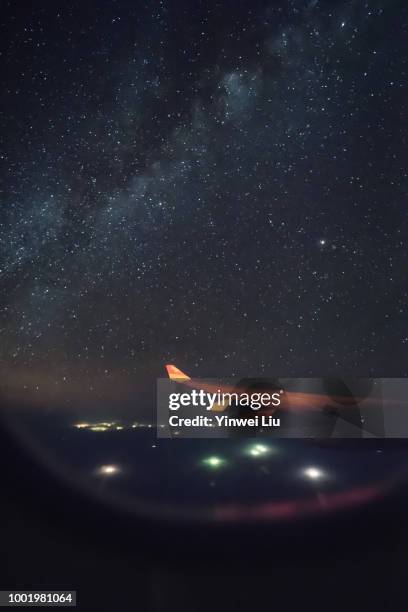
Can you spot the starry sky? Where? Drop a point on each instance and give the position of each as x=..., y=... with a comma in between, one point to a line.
x=219, y=185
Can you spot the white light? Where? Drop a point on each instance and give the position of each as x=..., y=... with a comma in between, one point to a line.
x=108, y=470
x=313, y=473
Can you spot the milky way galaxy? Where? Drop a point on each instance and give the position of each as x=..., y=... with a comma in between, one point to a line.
x=223, y=188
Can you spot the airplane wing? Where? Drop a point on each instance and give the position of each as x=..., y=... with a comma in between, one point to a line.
x=180, y=377
x=176, y=374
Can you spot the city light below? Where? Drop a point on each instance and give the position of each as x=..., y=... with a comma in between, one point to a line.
x=111, y=426
x=213, y=462
x=313, y=473
x=108, y=470
x=258, y=450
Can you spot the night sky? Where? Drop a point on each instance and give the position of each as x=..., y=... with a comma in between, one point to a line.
x=219, y=185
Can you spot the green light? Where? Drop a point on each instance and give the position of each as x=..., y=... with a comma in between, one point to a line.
x=258, y=450
x=213, y=462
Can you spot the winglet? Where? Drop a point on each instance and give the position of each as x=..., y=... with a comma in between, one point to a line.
x=176, y=374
